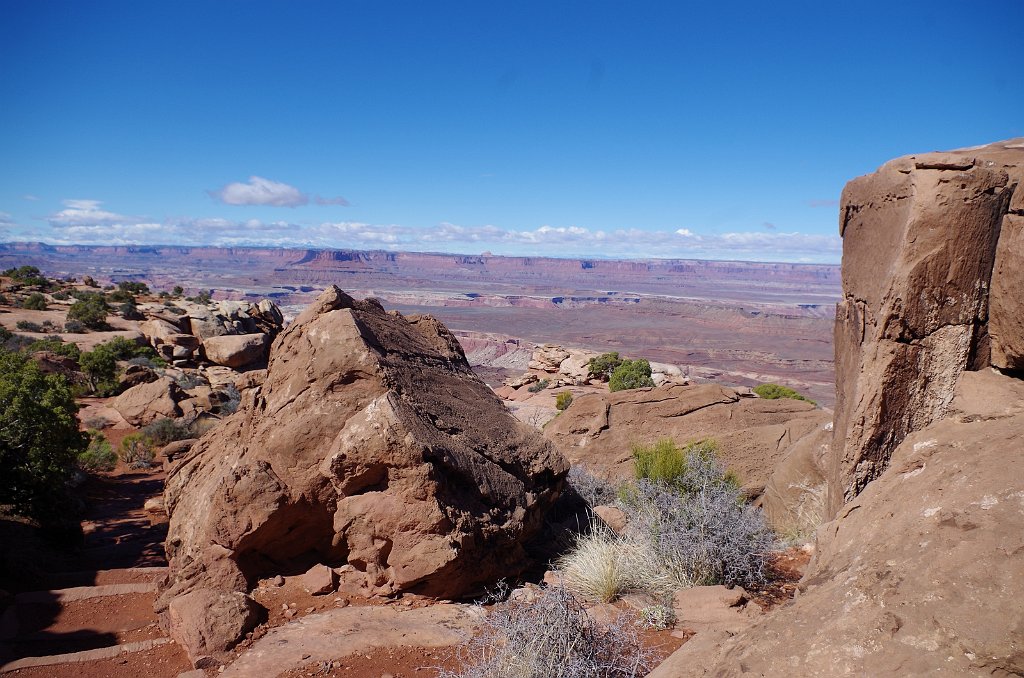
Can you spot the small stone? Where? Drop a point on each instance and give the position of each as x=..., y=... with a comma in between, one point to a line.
x=309, y=609
x=319, y=580
x=284, y=606
x=292, y=605
x=341, y=602
x=289, y=613
x=278, y=580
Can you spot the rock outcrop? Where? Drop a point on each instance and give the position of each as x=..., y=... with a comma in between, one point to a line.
x=598, y=430
x=920, y=238
x=369, y=444
x=145, y=403
x=921, y=574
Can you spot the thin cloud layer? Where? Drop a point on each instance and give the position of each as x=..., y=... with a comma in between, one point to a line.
x=87, y=222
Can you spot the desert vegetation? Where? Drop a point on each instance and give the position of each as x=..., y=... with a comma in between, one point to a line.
x=551, y=637
x=688, y=524
x=775, y=391
x=631, y=374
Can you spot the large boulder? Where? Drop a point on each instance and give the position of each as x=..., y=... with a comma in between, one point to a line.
x=236, y=350
x=371, y=443
x=599, y=429
x=147, y=402
x=921, y=574
x=920, y=238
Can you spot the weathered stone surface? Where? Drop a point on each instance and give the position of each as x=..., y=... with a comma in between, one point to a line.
x=158, y=331
x=599, y=429
x=921, y=573
x=919, y=242
x=236, y=350
x=145, y=403
x=548, y=358
x=134, y=375
x=319, y=580
x=338, y=633
x=714, y=608
x=208, y=622
x=1006, y=305
x=371, y=443
x=794, y=498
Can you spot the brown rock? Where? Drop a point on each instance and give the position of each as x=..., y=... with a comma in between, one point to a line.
x=713, y=608
x=134, y=375
x=319, y=580
x=921, y=573
x=1006, y=305
x=145, y=403
x=236, y=350
x=370, y=443
x=177, y=448
x=207, y=622
x=548, y=358
x=752, y=433
x=795, y=496
x=919, y=242
x=613, y=517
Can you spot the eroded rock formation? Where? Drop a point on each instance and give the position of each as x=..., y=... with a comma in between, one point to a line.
x=920, y=238
x=370, y=444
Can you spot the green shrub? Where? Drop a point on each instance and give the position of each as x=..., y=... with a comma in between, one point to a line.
x=129, y=311
x=539, y=386
x=28, y=326
x=54, y=345
x=666, y=463
x=4, y=301
x=563, y=400
x=26, y=275
x=99, y=455
x=178, y=290
x=100, y=364
x=34, y=302
x=603, y=365
x=90, y=309
x=774, y=391
x=137, y=450
x=163, y=431
x=74, y=327
x=631, y=374
x=5, y=334
x=61, y=296
x=39, y=438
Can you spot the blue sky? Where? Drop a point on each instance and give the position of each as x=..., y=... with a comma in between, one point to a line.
x=708, y=130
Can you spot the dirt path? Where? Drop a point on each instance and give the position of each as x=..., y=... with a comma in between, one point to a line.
x=95, y=615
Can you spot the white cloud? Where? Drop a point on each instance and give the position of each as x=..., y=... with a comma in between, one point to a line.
x=260, y=191
x=85, y=221
x=337, y=200
x=87, y=212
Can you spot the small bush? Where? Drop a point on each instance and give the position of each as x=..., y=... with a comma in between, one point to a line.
x=539, y=386
x=552, y=637
x=96, y=423
x=90, y=309
x=599, y=565
x=232, y=401
x=99, y=455
x=137, y=451
x=603, y=365
x=178, y=290
x=26, y=275
x=563, y=400
x=631, y=374
x=664, y=462
x=54, y=345
x=61, y=296
x=808, y=514
x=164, y=431
x=593, y=490
x=74, y=327
x=775, y=391
x=4, y=301
x=28, y=326
x=658, y=617
x=34, y=302
x=129, y=311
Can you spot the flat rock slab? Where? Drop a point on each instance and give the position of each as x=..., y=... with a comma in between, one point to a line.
x=85, y=656
x=337, y=633
x=83, y=593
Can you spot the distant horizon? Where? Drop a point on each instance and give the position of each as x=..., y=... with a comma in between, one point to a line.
x=438, y=253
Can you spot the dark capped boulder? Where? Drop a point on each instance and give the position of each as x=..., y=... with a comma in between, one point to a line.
x=370, y=444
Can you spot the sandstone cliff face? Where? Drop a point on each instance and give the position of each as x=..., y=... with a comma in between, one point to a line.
x=921, y=303
x=371, y=443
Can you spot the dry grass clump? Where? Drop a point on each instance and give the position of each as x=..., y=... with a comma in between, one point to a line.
x=808, y=514
x=552, y=637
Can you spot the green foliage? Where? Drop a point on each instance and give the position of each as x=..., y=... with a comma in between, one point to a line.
x=539, y=386
x=178, y=290
x=563, y=400
x=74, y=327
x=665, y=462
x=99, y=456
x=137, y=450
x=631, y=374
x=34, y=302
x=204, y=297
x=129, y=311
x=603, y=365
x=774, y=391
x=54, y=345
x=133, y=287
x=4, y=301
x=91, y=310
x=39, y=438
x=163, y=431
x=5, y=334
x=28, y=326
x=26, y=275
x=61, y=296
x=100, y=364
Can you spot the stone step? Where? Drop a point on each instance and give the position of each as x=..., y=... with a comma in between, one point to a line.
x=124, y=575
x=83, y=656
x=82, y=593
